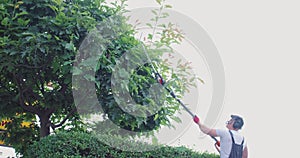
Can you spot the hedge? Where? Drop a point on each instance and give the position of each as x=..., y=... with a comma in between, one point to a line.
x=79, y=145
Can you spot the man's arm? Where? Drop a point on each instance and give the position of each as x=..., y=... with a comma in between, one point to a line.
x=206, y=130
x=245, y=152
x=203, y=128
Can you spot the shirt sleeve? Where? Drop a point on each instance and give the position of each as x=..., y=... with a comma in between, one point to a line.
x=221, y=132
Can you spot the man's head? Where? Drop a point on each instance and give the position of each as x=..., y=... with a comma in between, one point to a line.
x=236, y=122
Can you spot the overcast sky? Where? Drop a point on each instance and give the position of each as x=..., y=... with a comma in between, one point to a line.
x=258, y=42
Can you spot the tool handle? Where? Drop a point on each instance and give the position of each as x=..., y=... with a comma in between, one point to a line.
x=196, y=119
x=160, y=80
x=217, y=146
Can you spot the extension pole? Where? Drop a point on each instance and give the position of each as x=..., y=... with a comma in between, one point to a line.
x=161, y=81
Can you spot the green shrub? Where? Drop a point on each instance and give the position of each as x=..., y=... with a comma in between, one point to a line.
x=77, y=145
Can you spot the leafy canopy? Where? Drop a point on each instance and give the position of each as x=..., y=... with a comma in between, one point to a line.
x=39, y=41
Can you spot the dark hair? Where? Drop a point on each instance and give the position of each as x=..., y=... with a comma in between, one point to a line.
x=238, y=122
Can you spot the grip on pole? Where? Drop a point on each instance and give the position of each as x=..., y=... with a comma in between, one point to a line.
x=196, y=119
x=218, y=143
x=217, y=146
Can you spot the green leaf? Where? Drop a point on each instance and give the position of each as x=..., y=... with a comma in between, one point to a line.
x=23, y=54
x=23, y=22
x=154, y=12
x=27, y=34
x=20, y=14
x=150, y=26
x=164, y=15
x=5, y=21
x=70, y=46
x=159, y=2
x=156, y=117
x=168, y=6
x=54, y=8
x=154, y=140
x=150, y=36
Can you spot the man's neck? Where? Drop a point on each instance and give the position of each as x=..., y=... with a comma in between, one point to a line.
x=232, y=129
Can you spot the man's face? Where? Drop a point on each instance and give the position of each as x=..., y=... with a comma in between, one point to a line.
x=229, y=124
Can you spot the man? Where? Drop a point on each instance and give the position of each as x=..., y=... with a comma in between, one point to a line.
x=228, y=149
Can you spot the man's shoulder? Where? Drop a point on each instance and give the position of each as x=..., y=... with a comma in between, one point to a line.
x=222, y=132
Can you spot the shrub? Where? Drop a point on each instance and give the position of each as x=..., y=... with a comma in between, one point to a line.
x=78, y=145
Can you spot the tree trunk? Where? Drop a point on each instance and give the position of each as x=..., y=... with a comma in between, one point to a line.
x=45, y=128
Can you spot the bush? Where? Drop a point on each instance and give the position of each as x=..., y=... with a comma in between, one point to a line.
x=77, y=145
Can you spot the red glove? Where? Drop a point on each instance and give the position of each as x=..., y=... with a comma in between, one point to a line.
x=196, y=119
x=218, y=143
x=161, y=81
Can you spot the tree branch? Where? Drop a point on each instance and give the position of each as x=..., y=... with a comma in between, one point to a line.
x=41, y=88
x=63, y=86
x=21, y=97
x=53, y=126
x=29, y=107
x=30, y=67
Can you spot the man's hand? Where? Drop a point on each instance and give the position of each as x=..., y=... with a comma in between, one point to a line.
x=196, y=119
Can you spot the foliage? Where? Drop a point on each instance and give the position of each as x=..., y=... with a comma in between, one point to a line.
x=87, y=145
x=39, y=40
x=19, y=133
x=154, y=109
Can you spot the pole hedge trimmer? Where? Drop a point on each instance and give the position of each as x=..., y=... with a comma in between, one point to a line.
x=161, y=81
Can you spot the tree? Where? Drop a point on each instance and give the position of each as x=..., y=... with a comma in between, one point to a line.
x=38, y=41
x=156, y=109
x=38, y=45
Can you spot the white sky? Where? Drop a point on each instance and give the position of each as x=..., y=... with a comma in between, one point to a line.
x=258, y=42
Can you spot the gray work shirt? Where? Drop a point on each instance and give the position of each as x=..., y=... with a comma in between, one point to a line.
x=226, y=142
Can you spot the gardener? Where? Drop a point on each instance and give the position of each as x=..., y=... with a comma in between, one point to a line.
x=232, y=142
